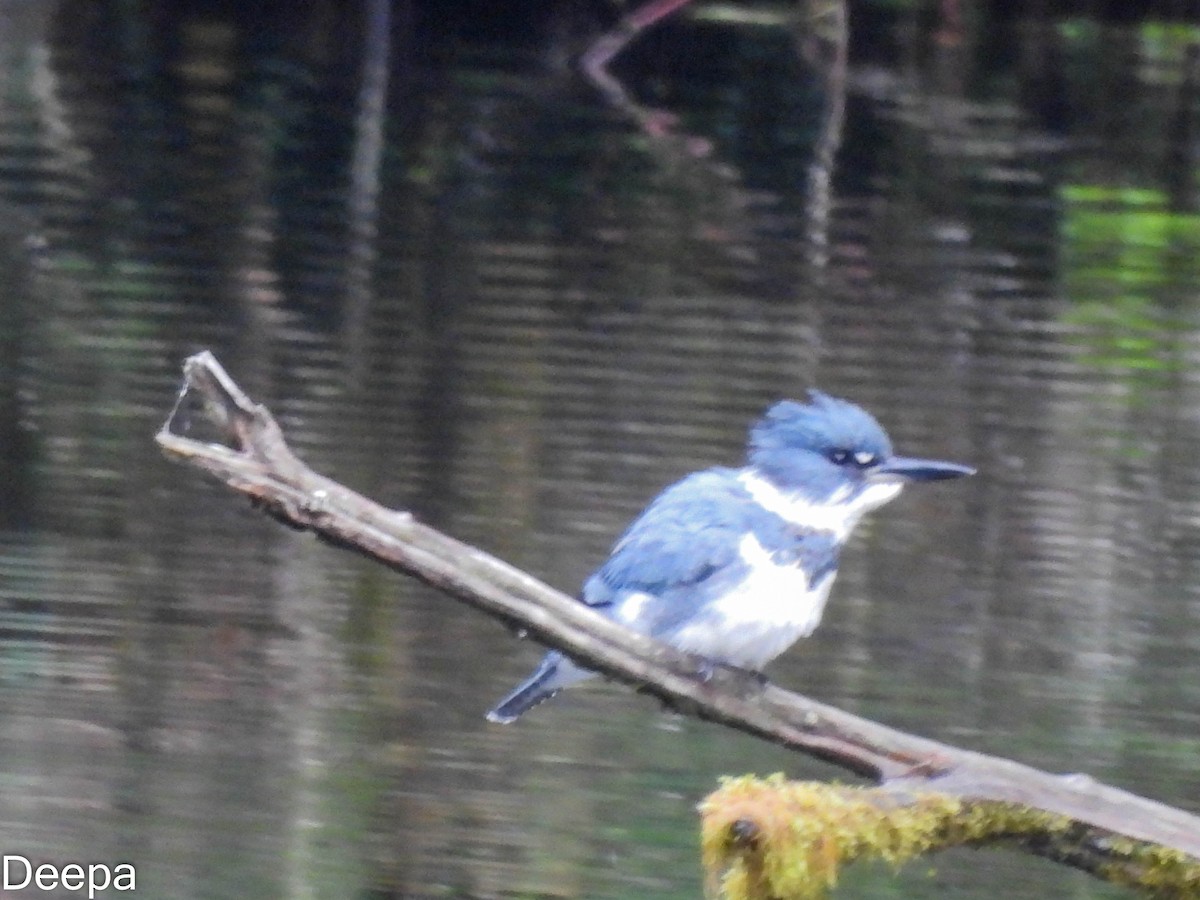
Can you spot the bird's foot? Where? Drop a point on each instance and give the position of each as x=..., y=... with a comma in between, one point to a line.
x=754, y=675
x=747, y=681
x=706, y=670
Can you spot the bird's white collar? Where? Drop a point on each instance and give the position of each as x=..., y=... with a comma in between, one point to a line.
x=838, y=514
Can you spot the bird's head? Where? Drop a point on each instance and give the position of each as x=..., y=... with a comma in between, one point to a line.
x=831, y=451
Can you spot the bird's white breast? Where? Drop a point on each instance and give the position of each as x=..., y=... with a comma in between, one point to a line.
x=760, y=617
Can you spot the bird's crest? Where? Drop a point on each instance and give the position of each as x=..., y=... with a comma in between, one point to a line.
x=824, y=425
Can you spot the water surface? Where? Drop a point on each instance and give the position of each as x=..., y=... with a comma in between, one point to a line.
x=500, y=302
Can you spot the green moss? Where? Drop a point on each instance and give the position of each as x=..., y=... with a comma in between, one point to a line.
x=770, y=838
x=1154, y=870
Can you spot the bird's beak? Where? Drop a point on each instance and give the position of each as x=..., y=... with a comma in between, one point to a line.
x=908, y=468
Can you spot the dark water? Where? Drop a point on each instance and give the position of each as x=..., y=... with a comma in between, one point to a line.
x=469, y=286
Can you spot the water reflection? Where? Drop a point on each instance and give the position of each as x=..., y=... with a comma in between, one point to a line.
x=555, y=320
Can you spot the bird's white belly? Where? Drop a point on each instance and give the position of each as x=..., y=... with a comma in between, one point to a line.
x=759, y=618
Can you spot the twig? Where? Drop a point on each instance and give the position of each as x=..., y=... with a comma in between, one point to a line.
x=596, y=58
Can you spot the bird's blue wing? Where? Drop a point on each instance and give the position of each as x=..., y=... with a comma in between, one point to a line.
x=690, y=532
x=685, y=552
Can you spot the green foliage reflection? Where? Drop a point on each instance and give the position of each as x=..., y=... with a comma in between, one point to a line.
x=1124, y=254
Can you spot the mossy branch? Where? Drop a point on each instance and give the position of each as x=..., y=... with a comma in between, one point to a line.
x=771, y=838
x=1071, y=819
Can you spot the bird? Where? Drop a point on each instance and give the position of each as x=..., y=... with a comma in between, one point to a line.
x=734, y=565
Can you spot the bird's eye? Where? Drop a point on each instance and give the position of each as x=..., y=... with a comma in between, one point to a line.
x=860, y=458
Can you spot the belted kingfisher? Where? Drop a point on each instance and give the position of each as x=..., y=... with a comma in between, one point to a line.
x=735, y=565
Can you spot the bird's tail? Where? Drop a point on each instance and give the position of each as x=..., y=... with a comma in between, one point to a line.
x=555, y=673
